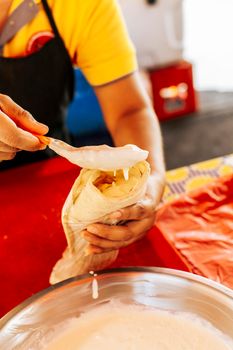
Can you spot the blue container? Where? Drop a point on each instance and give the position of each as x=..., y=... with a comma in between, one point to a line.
x=84, y=113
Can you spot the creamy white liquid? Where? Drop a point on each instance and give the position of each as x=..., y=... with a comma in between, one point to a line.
x=94, y=285
x=101, y=157
x=126, y=174
x=127, y=327
x=95, y=289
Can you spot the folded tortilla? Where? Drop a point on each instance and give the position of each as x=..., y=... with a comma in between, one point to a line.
x=94, y=195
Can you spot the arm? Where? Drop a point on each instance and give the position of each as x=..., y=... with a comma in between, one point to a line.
x=130, y=118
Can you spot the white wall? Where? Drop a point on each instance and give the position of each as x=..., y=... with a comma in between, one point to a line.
x=208, y=31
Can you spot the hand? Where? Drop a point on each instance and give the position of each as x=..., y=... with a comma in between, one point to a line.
x=14, y=121
x=139, y=218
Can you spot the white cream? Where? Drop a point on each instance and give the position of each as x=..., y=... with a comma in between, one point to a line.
x=129, y=327
x=94, y=285
x=100, y=157
x=126, y=174
x=95, y=288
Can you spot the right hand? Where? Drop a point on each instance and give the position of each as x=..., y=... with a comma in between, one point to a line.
x=14, y=121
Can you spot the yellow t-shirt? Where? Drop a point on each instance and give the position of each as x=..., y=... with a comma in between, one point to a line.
x=93, y=32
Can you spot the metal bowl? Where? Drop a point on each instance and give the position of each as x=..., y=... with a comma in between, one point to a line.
x=165, y=289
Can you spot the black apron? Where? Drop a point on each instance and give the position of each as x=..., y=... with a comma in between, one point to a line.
x=43, y=84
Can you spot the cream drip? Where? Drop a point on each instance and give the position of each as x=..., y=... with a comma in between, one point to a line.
x=126, y=174
x=94, y=285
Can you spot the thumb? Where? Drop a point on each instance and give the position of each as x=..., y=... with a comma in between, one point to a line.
x=20, y=116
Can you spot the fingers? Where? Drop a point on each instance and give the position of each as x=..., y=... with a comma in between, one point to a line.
x=138, y=218
x=7, y=152
x=14, y=121
x=7, y=148
x=141, y=226
x=113, y=233
x=102, y=244
x=93, y=249
x=20, y=116
x=137, y=211
x=7, y=155
x=44, y=140
x=16, y=137
x=106, y=237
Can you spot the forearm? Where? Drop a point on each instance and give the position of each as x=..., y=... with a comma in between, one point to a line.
x=130, y=118
x=141, y=128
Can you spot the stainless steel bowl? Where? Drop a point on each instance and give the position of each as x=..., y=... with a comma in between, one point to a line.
x=166, y=289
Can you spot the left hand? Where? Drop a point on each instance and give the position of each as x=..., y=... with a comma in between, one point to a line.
x=139, y=218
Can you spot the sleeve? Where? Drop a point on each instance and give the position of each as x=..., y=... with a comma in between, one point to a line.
x=105, y=52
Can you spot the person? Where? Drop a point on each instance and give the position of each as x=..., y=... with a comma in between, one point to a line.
x=39, y=43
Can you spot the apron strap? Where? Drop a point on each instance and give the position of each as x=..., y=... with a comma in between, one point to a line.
x=50, y=17
x=23, y=14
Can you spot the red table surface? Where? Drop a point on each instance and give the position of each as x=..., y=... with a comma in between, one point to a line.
x=32, y=237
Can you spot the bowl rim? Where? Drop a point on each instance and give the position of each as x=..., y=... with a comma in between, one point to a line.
x=106, y=272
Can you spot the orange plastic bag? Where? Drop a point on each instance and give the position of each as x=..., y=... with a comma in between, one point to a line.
x=199, y=227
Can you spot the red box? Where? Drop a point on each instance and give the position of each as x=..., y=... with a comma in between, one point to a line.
x=173, y=90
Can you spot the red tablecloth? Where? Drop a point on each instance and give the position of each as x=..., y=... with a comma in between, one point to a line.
x=31, y=234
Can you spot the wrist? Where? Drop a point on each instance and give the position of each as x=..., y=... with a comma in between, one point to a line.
x=159, y=177
x=156, y=186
